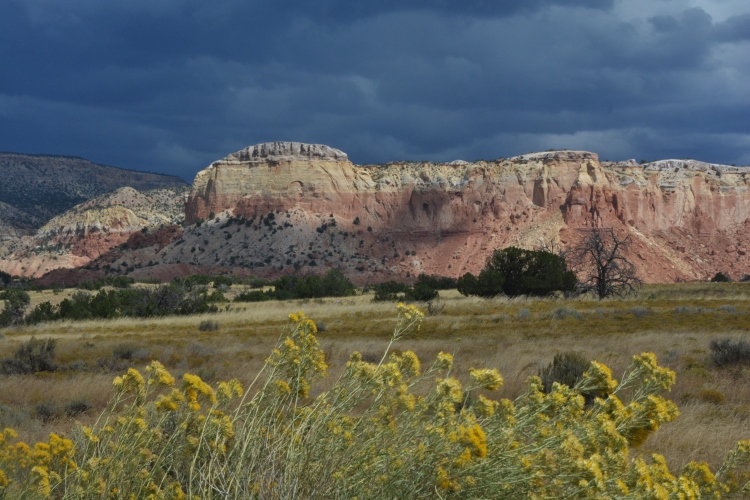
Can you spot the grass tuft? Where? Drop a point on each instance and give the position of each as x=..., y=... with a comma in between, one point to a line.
x=563, y=312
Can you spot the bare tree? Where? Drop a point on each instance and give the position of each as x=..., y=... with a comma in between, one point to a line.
x=601, y=260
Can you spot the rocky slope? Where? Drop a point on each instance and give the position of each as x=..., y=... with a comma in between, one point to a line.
x=39, y=187
x=92, y=229
x=15, y=223
x=280, y=206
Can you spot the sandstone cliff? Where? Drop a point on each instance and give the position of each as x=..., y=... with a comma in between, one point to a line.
x=688, y=219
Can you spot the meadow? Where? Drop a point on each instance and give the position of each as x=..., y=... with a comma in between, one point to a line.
x=515, y=336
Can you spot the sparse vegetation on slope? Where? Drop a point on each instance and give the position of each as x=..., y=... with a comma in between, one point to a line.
x=44, y=186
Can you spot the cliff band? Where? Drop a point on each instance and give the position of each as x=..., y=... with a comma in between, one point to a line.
x=688, y=218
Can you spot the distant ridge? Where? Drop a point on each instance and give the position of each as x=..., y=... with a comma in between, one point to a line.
x=42, y=186
x=73, y=157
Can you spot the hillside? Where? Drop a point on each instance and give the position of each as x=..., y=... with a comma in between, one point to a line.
x=40, y=187
x=92, y=229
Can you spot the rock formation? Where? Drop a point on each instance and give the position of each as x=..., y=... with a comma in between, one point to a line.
x=688, y=219
x=281, y=207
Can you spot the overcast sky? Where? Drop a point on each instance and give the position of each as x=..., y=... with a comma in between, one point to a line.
x=171, y=85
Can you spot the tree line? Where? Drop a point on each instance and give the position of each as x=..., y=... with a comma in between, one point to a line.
x=600, y=259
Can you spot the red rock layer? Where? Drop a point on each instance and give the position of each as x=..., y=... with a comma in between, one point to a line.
x=688, y=219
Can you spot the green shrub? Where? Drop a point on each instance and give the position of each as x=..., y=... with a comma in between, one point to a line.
x=125, y=351
x=253, y=296
x=728, y=352
x=514, y=271
x=5, y=279
x=523, y=314
x=436, y=282
x=42, y=313
x=32, y=356
x=566, y=368
x=711, y=396
x=420, y=293
x=435, y=307
x=11, y=416
x=194, y=280
x=172, y=299
x=332, y=284
x=77, y=407
x=389, y=291
x=16, y=302
x=721, y=278
x=46, y=411
x=222, y=280
x=216, y=296
x=113, y=281
x=254, y=282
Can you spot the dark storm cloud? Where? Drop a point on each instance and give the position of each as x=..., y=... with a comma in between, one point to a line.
x=736, y=28
x=175, y=84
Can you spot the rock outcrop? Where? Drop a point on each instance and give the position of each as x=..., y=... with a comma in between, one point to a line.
x=401, y=219
x=92, y=229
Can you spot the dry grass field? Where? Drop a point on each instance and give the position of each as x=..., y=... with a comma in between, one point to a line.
x=516, y=336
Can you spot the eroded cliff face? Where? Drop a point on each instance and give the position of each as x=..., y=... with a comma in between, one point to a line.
x=688, y=219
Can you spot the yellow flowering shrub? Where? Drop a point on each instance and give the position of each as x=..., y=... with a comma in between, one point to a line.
x=368, y=436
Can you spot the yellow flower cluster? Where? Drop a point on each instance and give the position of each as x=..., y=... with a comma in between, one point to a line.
x=159, y=375
x=194, y=387
x=450, y=389
x=408, y=364
x=486, y=378
x=651, y=373
x=598, y=378
x=299, y=359
x=131, y=382
x=229, y=390
x=409, y=312
x=444, y=361
x=171, y=401
x=474, y=438
x=485, y=407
